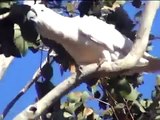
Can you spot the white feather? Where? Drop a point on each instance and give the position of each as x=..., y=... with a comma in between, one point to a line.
x=87, y=39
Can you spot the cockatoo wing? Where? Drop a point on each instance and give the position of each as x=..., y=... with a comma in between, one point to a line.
x=104, y=34
x=86, y=39
x=96, y=31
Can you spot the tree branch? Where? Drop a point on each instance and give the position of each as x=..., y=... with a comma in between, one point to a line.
x=35, y=110
x=5, y=15
x=27, y=86
x=142, y=39
x=4, y=64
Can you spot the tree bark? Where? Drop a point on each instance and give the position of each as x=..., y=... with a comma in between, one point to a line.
x=35, y=110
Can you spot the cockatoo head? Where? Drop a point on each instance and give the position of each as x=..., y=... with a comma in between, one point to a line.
x=36, y=12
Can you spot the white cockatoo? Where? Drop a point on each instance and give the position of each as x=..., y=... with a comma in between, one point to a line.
x=87, y=39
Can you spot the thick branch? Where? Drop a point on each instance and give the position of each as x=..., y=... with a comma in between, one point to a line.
x=142, y=38
x=34, y=111
x=4, y=64
x=36, y=76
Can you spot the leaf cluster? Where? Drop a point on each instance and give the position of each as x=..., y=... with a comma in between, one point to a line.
x=17, y=34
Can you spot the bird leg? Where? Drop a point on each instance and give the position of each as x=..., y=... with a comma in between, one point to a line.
x=106, y=58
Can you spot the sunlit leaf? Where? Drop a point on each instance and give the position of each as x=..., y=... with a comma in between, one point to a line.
x=119, y=106
x=158, y=110
x=79, y=107
x=120, y=2
x=80, y=116
x=123, y=87
x=94, y=88
x=97, y=117
x=5, y=5
x=157, y=117
x=20, y=43
x=145, y=103
x=108, y=2
x=72, y=68
x=74, y=97
x=88, y=112
x=133, y=95
x=139, y=106
x=67, y=115
x=64, y=105
x=70, y=108
x=8, y=47
x=108, y=112
x=85, y=96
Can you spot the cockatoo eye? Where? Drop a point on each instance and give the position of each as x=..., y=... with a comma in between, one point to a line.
x=42, y=10
x=31, y=14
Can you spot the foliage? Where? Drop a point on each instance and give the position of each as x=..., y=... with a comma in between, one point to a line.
x=117, y=97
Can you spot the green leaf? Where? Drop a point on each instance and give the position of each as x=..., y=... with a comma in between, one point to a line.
x=85, y=96
x=157, y=117
x=79, y=107
x=20, y=43
x=145, y=103
x=74, y=97
x=5, y=5
x=123, y=87
x=80, y=116
x=70, y=108
x=108, y=112
x=67, y=115
x=133, y=95
x=120, y=2
x=108, y=2
x=97, y=117
x=119, y=106
x=94, y=88
x=139, y=106
x=88, y=113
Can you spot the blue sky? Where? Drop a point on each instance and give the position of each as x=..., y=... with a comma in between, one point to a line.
x=149, y=79
x=21, y=71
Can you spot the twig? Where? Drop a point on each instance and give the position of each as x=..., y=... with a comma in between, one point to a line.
x=132, y=118
x=35, y=110
x=5, y=15
x=112, y=108
x=24, y=90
